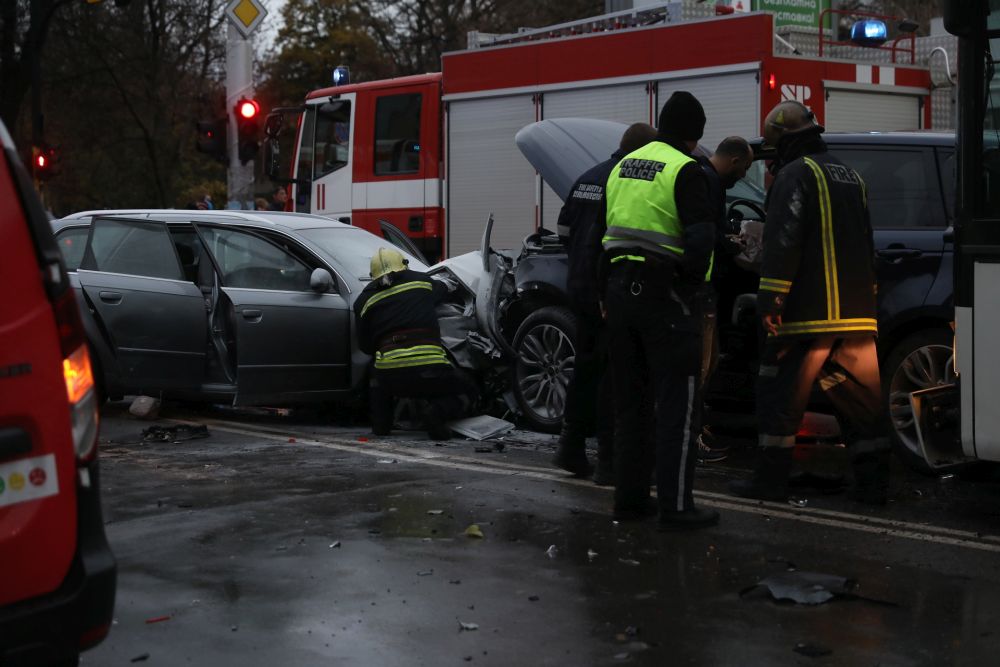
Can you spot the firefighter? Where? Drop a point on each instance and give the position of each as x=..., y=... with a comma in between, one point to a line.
x=658, y=244
x=817, y=306
x=398, y=325
x=724, y=169
x=581, y=227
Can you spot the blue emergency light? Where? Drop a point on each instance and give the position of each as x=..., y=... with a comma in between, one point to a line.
x=869, y=33
x=341, y=75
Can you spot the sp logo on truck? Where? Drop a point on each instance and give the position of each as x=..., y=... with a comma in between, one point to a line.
x=793, y=93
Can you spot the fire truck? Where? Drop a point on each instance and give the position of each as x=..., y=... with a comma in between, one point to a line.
x=432, y=156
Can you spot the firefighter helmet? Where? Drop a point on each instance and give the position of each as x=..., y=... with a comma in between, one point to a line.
x=786, y=118
x=387, y=260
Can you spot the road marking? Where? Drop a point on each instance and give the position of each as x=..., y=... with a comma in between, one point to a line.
x=831, y=518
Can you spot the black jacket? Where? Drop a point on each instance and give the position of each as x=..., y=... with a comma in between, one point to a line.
x=582, y=224
x=818, y=270
x=400, y=314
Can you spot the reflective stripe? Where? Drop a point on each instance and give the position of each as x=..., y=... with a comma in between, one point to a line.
x=637, y=244
x=829, y=250
x=406, y=357
x=775, y=285
x=685, y=445
x=828, y=382
x=659, y=238
x=631, y=258
x=828, y=326
x=393, y=291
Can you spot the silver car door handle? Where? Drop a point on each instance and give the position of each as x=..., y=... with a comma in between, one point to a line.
x=113, y=298
x=252, y=315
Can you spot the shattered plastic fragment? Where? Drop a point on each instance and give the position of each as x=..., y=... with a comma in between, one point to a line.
x=552, y=551
x=468, y=626
x=425, y=573
x=435, y=512
x=143, y=657
x=798, y=502
x=474, y=531
x=809, y=588
x=628, y=561
x=591, y=554
x=158, y=619
x=335, y=545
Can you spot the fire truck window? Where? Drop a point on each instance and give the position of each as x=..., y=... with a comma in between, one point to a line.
x=903, y=187
x=333, y=140
x=397, y=134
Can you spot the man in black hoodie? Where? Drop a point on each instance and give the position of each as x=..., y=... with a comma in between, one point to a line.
x=581, y=227
x=817, y=305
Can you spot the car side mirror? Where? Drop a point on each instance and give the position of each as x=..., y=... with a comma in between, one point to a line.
x=320, y=281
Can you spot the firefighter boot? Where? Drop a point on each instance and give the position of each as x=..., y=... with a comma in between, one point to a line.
x=770, y=476
x=571, y=453
x=870, y=461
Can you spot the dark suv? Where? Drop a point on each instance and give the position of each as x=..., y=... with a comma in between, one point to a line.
x=58, y=573
x=911, y=185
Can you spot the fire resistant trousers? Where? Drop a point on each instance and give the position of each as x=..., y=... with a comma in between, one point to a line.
x=848, y=374
x=656, y=352
x=447, y=391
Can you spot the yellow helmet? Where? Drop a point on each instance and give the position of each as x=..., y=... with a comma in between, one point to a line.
x=788, y=117
x=387, y=260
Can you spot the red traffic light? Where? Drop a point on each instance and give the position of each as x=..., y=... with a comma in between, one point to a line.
x=247, y=109
x=41, y=161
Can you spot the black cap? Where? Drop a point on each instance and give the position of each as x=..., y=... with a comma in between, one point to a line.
x=682, y=117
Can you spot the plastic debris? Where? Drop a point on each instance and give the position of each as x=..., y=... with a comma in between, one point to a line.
x=798, y=502
x=533, y=598
x=468, y=626
x=158, y=619
x=481, y=427
x=143, y=657
x=145, y=407
x=474, y=531
x=628, y=561
x=435, y=512
x=177, y=433
x=812, y=650
x=425, y=573
x=387, y=460
x=362, y=438
x=335, y=545
x=809, y=588
x=552, y=551
x=591, y=554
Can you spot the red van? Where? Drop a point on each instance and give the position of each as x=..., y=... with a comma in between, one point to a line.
x=57, y=573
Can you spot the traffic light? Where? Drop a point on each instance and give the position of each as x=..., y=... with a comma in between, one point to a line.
x=43, y=159
x=212, y=139
x=247, y=129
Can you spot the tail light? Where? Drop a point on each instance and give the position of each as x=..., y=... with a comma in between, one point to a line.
x=79, y=376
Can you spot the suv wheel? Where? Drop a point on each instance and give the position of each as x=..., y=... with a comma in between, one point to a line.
x=544, y=366
x=920, y=361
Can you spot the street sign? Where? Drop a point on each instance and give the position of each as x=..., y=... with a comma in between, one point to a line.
x=245, y=15
x=802, y=13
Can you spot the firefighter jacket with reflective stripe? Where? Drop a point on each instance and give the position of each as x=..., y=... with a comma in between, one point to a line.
x=581, y=228
x=658, y=204
x=397, y=322
x=818, y=270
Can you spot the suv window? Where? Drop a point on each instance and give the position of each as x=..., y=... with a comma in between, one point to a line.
x=903, y=189
x=72, y=243
x=949, y=179
x=251, y=262
x=397, y=134
x=132, y=247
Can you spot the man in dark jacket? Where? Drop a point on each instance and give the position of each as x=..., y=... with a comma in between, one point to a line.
x=723, y=170
x=661, y=229
x=581, y=227
x=817, y=305
x=397, y=323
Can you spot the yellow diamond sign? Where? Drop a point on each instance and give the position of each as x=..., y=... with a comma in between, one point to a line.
x=246, y=15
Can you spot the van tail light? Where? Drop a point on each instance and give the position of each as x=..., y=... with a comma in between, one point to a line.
x=79, y=376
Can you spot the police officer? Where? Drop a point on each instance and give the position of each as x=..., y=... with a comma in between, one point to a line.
x=658, y=245
x=817, y=305
x=723, y=170
x=581, y=227
x=397, y=324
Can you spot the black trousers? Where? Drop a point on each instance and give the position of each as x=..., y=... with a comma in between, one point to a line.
x=847, y=372
x=655, y=351
x=447, y=391
x=588, y=397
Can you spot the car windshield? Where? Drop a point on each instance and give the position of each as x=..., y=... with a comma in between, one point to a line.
x=354, y=248
x=744, y=189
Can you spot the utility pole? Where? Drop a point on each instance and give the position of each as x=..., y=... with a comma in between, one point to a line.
x=244, y=18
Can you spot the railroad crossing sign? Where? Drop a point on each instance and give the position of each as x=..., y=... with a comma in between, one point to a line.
x=245, y=15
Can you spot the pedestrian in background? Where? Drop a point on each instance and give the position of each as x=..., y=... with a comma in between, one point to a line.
x=279, y=199
x=817, y=305
x=661, y=227
x=582, y=224
x=261, y=204
x=723, y=170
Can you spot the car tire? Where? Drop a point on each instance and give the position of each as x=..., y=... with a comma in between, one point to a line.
x=921, y=360
x=544, y=366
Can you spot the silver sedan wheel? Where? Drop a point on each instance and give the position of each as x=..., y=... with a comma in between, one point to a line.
x=925, y=367
x=545, y=365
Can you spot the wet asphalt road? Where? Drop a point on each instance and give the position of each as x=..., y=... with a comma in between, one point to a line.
x=285, y=541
